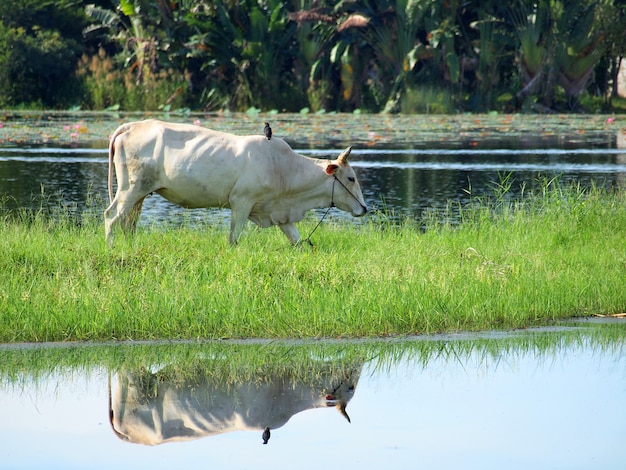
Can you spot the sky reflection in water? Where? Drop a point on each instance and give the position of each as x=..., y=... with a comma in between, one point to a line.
x=518, y=408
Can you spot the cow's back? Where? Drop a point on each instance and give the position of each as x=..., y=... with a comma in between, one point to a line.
x=193, y=166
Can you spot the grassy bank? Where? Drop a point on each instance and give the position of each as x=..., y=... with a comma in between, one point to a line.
x=557, y=254
x=235, y=363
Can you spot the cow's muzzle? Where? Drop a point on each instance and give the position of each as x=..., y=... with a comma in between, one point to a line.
x=363, y=211
x=332, y=201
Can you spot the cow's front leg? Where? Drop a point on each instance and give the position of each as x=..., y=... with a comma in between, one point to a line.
x=236, y=227
x=238, y=218
x=291, y=231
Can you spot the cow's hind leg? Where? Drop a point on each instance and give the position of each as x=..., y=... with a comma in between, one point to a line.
x=129, y=223
x=124, y=212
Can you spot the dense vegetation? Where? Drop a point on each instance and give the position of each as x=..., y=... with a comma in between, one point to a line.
x=292, y=55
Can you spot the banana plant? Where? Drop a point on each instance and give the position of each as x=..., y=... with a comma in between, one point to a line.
x=316, y=38
x=534, y=31
x=333, y=51
x=129, y=24
x=559, y=45
x=316, y=68
x=375, y=48
x=491, y=49
x=395, y=40
x=578, y=51
x=245, y=48
x=268, y=49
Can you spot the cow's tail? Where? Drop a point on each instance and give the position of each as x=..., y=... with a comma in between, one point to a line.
x=120, y=130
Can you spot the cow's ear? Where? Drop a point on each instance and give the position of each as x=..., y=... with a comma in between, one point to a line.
x=331, y=168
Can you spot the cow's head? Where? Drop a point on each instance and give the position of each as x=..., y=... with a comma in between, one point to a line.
x=346, y=195
x=340, y=396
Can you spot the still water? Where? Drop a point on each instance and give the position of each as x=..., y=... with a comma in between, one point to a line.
x=404, y=182
x=535, y=399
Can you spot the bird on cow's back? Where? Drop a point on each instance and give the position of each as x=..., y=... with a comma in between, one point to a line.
x=267, y=130
x=266, y=435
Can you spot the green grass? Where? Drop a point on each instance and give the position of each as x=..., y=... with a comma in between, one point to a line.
x=556, y=254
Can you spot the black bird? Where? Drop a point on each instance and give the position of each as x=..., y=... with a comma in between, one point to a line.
x=268, y=131
x=266, y=431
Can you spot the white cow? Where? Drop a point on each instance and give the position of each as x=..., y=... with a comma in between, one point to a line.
x=258, y=179
x=153, y=409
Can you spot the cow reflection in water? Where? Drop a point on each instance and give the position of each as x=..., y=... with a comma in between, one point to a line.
x=152, y=409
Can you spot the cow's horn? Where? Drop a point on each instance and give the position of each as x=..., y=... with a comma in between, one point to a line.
x=342, y=409
x=343, y=158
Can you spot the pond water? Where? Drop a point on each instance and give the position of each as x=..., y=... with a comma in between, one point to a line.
x=403, y=182
x=537, y=399
x=406, y=164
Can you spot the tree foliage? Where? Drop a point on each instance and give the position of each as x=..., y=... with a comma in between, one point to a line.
x=379, y=56
x=40, y=43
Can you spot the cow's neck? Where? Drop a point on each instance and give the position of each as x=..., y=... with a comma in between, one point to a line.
x=301, y=184
x=315, y=183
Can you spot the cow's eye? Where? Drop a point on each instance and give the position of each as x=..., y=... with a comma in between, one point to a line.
x=351, y=179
